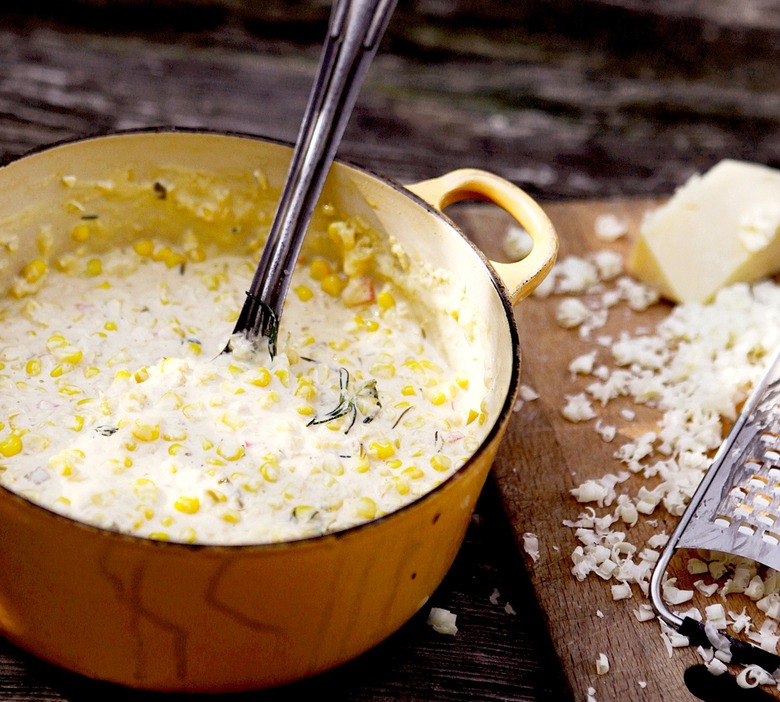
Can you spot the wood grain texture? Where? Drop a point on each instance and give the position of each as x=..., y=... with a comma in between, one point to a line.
x=571, y=99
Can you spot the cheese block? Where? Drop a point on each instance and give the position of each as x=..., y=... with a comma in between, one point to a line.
x=719, y=228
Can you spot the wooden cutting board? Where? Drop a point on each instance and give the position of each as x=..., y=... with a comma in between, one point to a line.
x=543, y=456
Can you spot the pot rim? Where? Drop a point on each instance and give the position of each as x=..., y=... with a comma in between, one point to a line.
x=307, y=541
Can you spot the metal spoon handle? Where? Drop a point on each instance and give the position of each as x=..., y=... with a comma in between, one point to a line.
x=355, y=30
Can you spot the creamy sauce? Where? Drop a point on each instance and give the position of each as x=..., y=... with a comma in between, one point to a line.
x=117, y=408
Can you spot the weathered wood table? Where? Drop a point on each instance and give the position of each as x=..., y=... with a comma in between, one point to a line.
x=571, y=100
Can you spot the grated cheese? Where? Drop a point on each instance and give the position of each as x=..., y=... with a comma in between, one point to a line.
x=694, y=369
x=442, y=621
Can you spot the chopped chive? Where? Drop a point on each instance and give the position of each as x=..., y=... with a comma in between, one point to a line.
x=350, y=404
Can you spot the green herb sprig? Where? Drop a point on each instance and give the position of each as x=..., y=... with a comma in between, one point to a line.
x=350, y=404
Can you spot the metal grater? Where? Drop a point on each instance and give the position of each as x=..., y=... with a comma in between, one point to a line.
x=736, y=508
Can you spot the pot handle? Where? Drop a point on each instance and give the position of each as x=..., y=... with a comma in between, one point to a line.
x=520, y=277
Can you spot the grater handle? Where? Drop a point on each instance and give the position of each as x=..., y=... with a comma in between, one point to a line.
x=742, y=652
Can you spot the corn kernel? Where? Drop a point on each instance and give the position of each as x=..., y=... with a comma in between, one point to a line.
x=333, y=465
x=270, y=399
x=385, y=300
x=319, y=269
x=435, y=397
x=231, y=516
x=80, y=233
x=187, y=505
x=11, y=445
x=35, y=270
x=94, y=267
x=365, y=508
x=333, y=284
x=190, y=410
x=71, y=355
x=145, y=490
x=473, y=414
x=176, y=449
x=232, y=420
x=145, y=432
x=162, y=254
x=372, y=325
x=441, y=463
x=159, y=536
x=144, y=247
x=304, y=293
x=303, y=513
x=78, y=423
x=55, y=341
x=413, y=473
x=306, y=410
x=262, y=379
x=363, y=464
x=188, y=535
x=305, y=388
x=171, y=400
x=462, y=381
x=269, y=472
x=408, y=390
x=401, y=486
x=174, y=258
x=230, y=451
x=382, y=449
x=383, y=370
x=33, y=367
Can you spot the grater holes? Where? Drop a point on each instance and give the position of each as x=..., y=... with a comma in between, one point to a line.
x=766, y=518
x=723, y=521
x=758, y=481
x=746, y=528
x=771, y=537
x=741, y=493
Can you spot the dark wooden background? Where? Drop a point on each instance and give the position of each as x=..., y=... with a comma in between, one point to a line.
x=571, y=99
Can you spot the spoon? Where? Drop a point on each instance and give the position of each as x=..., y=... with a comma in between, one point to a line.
x=354, y=33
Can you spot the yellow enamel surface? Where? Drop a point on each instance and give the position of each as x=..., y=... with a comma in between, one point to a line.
x=165, y=616
x=520, y=277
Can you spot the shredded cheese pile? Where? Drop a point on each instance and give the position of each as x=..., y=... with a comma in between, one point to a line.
x=695, y=369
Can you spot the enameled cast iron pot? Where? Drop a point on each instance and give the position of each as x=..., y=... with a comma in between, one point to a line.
x=174, y=617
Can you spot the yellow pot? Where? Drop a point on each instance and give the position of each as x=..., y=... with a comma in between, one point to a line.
x=175, y=617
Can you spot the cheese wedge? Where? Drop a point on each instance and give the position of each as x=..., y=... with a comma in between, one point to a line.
x=719, y=228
